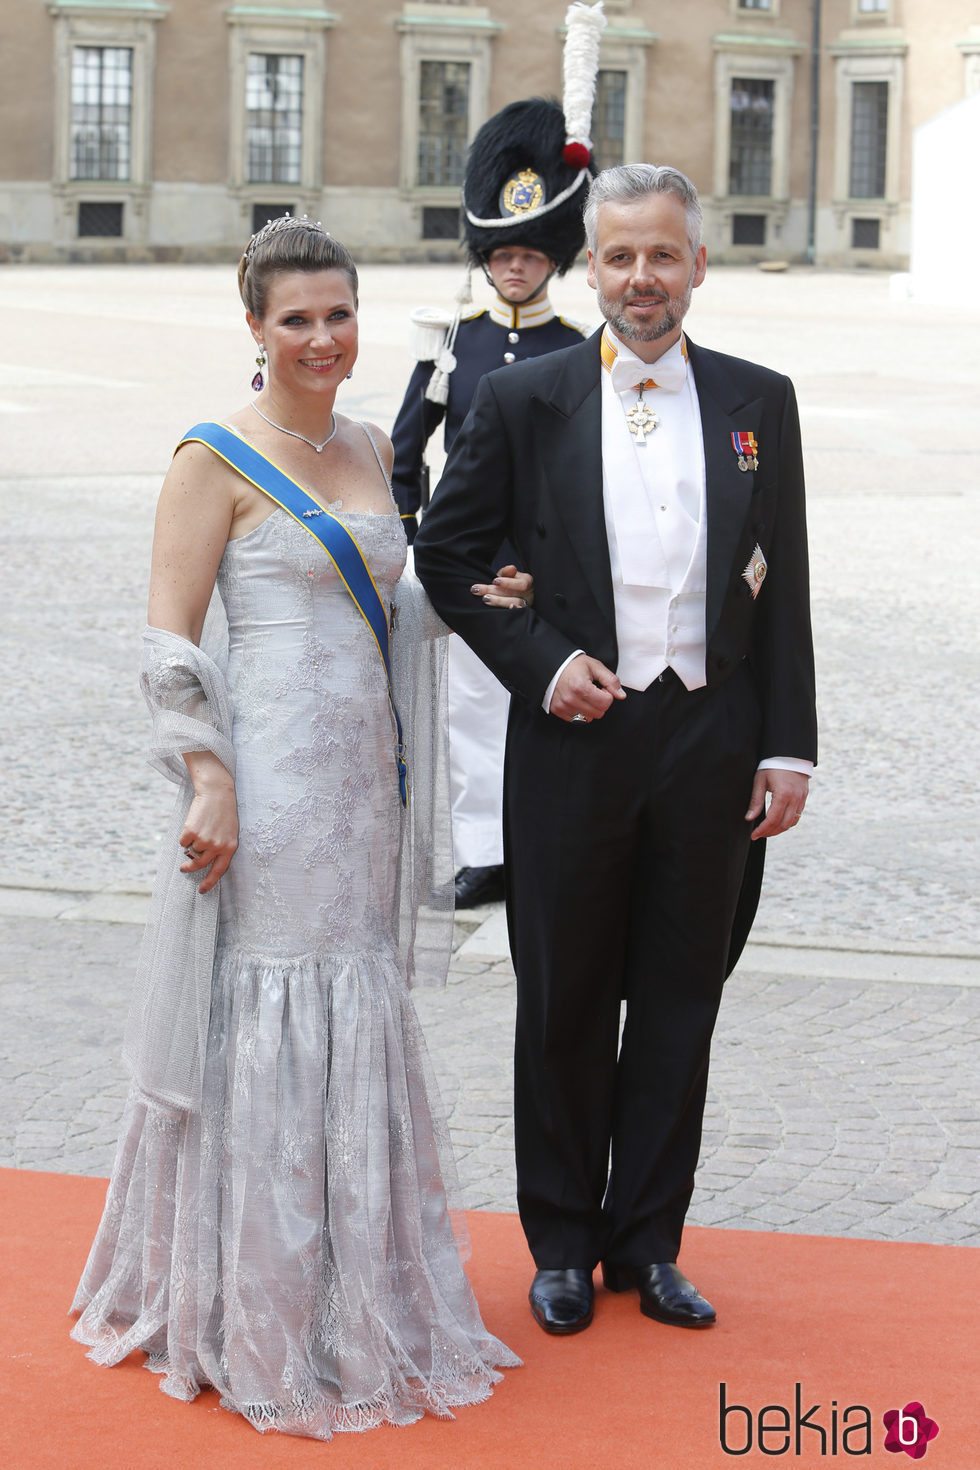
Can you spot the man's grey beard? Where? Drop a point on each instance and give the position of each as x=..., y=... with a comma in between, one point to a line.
x=675, y=311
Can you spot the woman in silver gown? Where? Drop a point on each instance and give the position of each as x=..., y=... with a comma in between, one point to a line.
x=277, y=1222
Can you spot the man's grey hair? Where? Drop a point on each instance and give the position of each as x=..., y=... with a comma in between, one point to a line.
x=631, y=181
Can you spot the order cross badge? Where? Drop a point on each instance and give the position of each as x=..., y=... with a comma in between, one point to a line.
x=641, y=419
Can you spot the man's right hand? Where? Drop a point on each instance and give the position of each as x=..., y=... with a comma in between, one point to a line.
x=587, y=688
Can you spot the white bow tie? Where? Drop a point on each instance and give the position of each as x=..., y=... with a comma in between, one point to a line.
x=669, y=373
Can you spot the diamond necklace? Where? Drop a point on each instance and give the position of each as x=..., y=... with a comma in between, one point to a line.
x=293, y=433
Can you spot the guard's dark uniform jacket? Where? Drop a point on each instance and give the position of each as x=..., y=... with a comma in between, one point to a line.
x=486, y=340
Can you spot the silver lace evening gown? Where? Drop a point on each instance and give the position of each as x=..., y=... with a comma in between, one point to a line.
x=290, y=1244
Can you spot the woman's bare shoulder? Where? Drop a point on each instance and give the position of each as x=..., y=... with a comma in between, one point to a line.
x=196, y=470
x=194, y=451
x=381, y=441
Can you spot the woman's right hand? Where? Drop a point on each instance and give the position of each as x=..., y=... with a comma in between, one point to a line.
x=210, y=833
x=509, y=588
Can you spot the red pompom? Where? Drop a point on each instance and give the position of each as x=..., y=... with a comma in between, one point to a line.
x=576, y=155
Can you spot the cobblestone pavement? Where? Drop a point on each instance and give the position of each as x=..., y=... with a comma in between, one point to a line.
x=843, y=1086
x=840, y=1106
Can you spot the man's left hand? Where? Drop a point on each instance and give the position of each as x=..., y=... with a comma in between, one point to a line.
x=787, y=800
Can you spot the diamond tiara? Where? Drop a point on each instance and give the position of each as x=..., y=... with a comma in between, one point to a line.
x=277, y=226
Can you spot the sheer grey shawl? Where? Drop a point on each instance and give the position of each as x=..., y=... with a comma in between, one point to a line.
x=190, y=704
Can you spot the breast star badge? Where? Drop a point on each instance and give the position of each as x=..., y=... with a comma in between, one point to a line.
x=755, y=571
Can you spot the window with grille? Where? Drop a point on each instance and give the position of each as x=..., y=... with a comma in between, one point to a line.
x=101, y=112
x=274, y=119
x=98, y=219
x=872, y=7
x=869, y=139
x=609, y=119
x=865, y=234
x=748, y=229
x=750, y=149
x=444, y=101
x=262, y=213
x=440, y=224
x=755, y=4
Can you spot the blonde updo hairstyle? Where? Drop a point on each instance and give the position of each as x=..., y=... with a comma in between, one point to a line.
x=288, y=244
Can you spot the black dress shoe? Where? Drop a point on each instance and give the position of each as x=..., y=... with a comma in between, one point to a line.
x=666, y=1295
x=561, y=1301
x=479, y=885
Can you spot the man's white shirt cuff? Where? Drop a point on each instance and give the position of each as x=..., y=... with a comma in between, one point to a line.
x=546, y=702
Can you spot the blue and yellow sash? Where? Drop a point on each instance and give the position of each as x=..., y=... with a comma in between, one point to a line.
x=334, y=537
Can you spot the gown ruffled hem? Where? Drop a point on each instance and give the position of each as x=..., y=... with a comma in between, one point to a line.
x=291, y=1245
x=316, y=1414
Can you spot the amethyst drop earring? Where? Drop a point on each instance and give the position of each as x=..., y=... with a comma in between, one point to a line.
x=258, y=382
x=350, y=374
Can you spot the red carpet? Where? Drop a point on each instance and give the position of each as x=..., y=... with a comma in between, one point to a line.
x=856, y=1323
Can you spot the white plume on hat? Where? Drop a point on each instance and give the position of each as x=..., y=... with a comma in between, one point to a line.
x=580, y=65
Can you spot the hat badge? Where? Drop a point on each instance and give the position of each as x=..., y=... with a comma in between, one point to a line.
x=522, y=193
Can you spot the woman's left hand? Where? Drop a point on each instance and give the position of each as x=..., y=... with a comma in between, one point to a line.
x=509, y=588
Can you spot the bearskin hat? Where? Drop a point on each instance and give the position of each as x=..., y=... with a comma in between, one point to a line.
x=518, y=188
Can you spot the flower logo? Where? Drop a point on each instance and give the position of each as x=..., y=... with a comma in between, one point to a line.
x=909, y=1429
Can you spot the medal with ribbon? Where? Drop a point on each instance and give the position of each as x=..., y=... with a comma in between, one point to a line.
x=641, y=418
x=745, y=446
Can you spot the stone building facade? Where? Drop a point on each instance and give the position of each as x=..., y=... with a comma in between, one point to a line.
x=167, y=129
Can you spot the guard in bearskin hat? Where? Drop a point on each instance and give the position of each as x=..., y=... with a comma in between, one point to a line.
x=524, y=189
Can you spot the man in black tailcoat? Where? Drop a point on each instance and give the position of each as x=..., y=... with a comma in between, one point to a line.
x=663, y=726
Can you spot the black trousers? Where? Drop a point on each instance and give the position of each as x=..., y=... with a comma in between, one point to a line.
x=626, y=843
